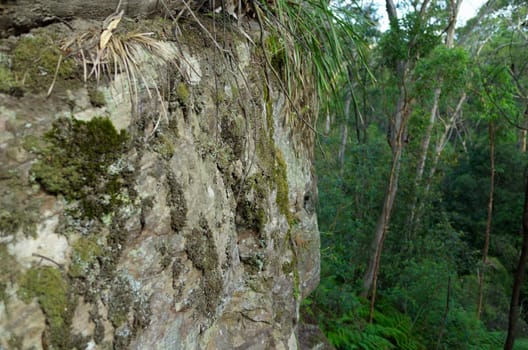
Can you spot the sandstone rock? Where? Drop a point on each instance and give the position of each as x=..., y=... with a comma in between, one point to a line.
x=187, y=224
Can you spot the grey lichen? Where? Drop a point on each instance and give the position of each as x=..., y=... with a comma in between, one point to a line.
x=250, y=210
x=128, y=310
x=176, y=201
x=86, y=251
x=201, y=250
x=76, y=164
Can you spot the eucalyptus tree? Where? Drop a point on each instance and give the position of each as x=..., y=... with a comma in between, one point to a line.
x=497, y=38
x=412, y=36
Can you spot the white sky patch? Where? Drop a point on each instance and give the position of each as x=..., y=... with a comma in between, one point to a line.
x=468, y=9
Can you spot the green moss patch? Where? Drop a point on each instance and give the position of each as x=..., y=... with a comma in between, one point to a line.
x=201, y=251
x=183, y=94
x=277, y=52
x=52, y=291
x=35, y=61
x=233, y=135
x=273, y=161
x=251, y=214
x=121, y=302
x=8, y=84
x=18, y=211
x=8, y=272
x=84, y=256
x=77, y=164
x=127, y=308
x=97, y=98
x=280, y=179
x=177, y=203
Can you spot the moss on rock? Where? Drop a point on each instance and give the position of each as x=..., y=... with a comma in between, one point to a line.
x=120, y=303
x=183, y=94
x=97, y=98
x=128, y=310
x=77, y=164
x=18, y=211
x=84, y=255
x=280, y=179
x=177, y=203
x=8, y=272
x=250, y=210
x=8, y=84
x=201, y=251
x=35, y=60
x=52, y=291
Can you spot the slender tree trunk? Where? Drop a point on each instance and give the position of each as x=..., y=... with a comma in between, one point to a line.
x=344, y=135
x=396, y=141
x=396, y=136
x=427, y=139
x=446, y=313
x=423, y=157
x=442, y=143
x=327, y=124
x=369, y=280
x=342, y=146
x=485, y=250
x=518, y=278
x=454, y=8
x=360, y=122
x=524, y=132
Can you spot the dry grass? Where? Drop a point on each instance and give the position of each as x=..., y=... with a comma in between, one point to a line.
x=113, y=51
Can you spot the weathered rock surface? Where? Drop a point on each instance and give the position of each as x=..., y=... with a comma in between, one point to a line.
x=187, y=224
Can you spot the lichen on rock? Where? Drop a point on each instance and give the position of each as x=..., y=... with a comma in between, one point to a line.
x=201, y=250
x=76, y=164
x=177, y=232
x=86, y=251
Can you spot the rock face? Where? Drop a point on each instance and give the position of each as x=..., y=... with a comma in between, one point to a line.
x=133, y=216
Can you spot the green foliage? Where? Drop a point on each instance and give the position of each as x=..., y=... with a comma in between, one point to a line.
x=428, y=285
x=390, y=330
x=408, y=39
x=443, y=67
x=311, y=45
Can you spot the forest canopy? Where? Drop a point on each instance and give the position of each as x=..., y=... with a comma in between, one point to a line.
x=421, y=164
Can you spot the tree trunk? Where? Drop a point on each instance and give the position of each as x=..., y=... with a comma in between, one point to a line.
x=371, y=276
x=518, y=279
x=396, y=137
x=444, y=317
x=327, y=124
x=488, y=221
x=440, y=145
x=344, y=136
x=454, y=8
x=396, y=141
x=427, y=139
x=423, y=157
